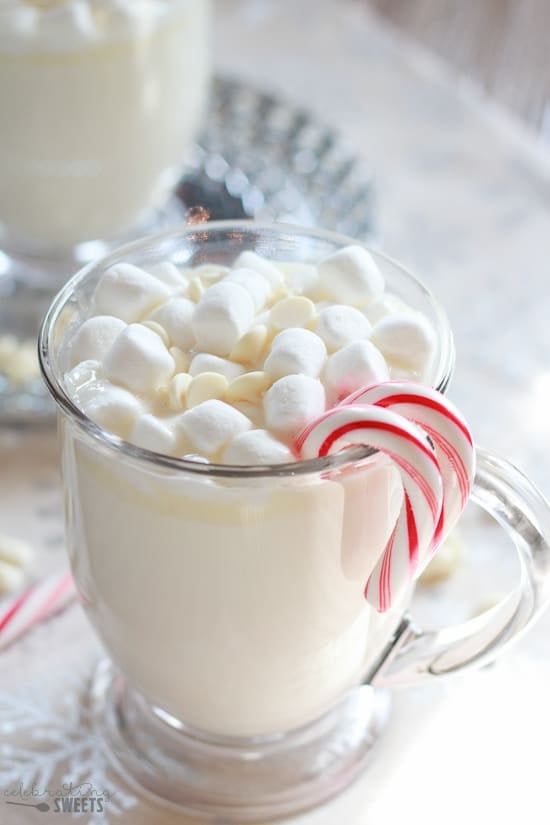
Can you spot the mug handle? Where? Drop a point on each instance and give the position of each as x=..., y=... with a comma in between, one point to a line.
x=415, y=655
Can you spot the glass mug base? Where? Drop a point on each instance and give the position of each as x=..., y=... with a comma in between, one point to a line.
x=261, y=778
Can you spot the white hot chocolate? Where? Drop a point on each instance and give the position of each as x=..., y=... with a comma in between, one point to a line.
x=234, y=603
x=100, y=102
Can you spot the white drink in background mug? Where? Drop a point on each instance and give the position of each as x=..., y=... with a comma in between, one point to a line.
x=100, y=102
x=232, y=598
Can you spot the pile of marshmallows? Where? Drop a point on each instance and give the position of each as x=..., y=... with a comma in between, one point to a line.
x=228, y=365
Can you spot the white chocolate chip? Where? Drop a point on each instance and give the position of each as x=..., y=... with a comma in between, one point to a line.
x=250, y=347
x=296, y=311
x=195, y=290
x=177, y=391
x=9, y=347
x=204, y=362
x=211, y=273
x=11, y=578
x=445, y=561
x=23, y=366
x=248, y=387
x=205, y=387
x=160, y=331
x=181, y=359
x=15, y=551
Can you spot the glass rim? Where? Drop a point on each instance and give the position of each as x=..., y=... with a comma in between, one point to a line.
x=348, y=456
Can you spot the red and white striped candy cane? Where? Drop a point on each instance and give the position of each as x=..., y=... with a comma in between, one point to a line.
x=414, y=455
x=38, y=602
x=449, y=432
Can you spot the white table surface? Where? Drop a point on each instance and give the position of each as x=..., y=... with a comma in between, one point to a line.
x=464, y=200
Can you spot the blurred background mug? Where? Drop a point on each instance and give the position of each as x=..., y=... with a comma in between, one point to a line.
x=100, y=100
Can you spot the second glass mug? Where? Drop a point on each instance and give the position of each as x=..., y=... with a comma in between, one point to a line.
x=246, y=665
x=109, y=100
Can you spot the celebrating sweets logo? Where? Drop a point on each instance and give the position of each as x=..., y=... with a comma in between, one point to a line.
x=68, y=798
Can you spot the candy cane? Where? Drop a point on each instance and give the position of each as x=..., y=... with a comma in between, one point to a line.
x=447, y=429
x=40, y=601
x=414, y=455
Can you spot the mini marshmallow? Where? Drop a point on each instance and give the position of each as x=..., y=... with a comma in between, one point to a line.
x=354, y=366
x=251, y=260
x=177, y=391
x=128, y=293
x=169, y=274
x=250, y=347
x=351, y=276
x=296, y=351
x=206, y=386
x=256, y=447
x=301, y=278
x=224, y=313
x=253, y=411
x=407, y=340
x=255, y=284
x=95, y=338
x=175, y=317
x=291, y=403
x=386, y=304
x=295, y=311
x=139, y=360
x=113, y=408
x=339, y=325
x=213, y=424
x=151, y=433
x=249, y=387
x=204, y=362
x=82, y=375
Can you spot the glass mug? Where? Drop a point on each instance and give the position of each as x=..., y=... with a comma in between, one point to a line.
x=246, y=666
